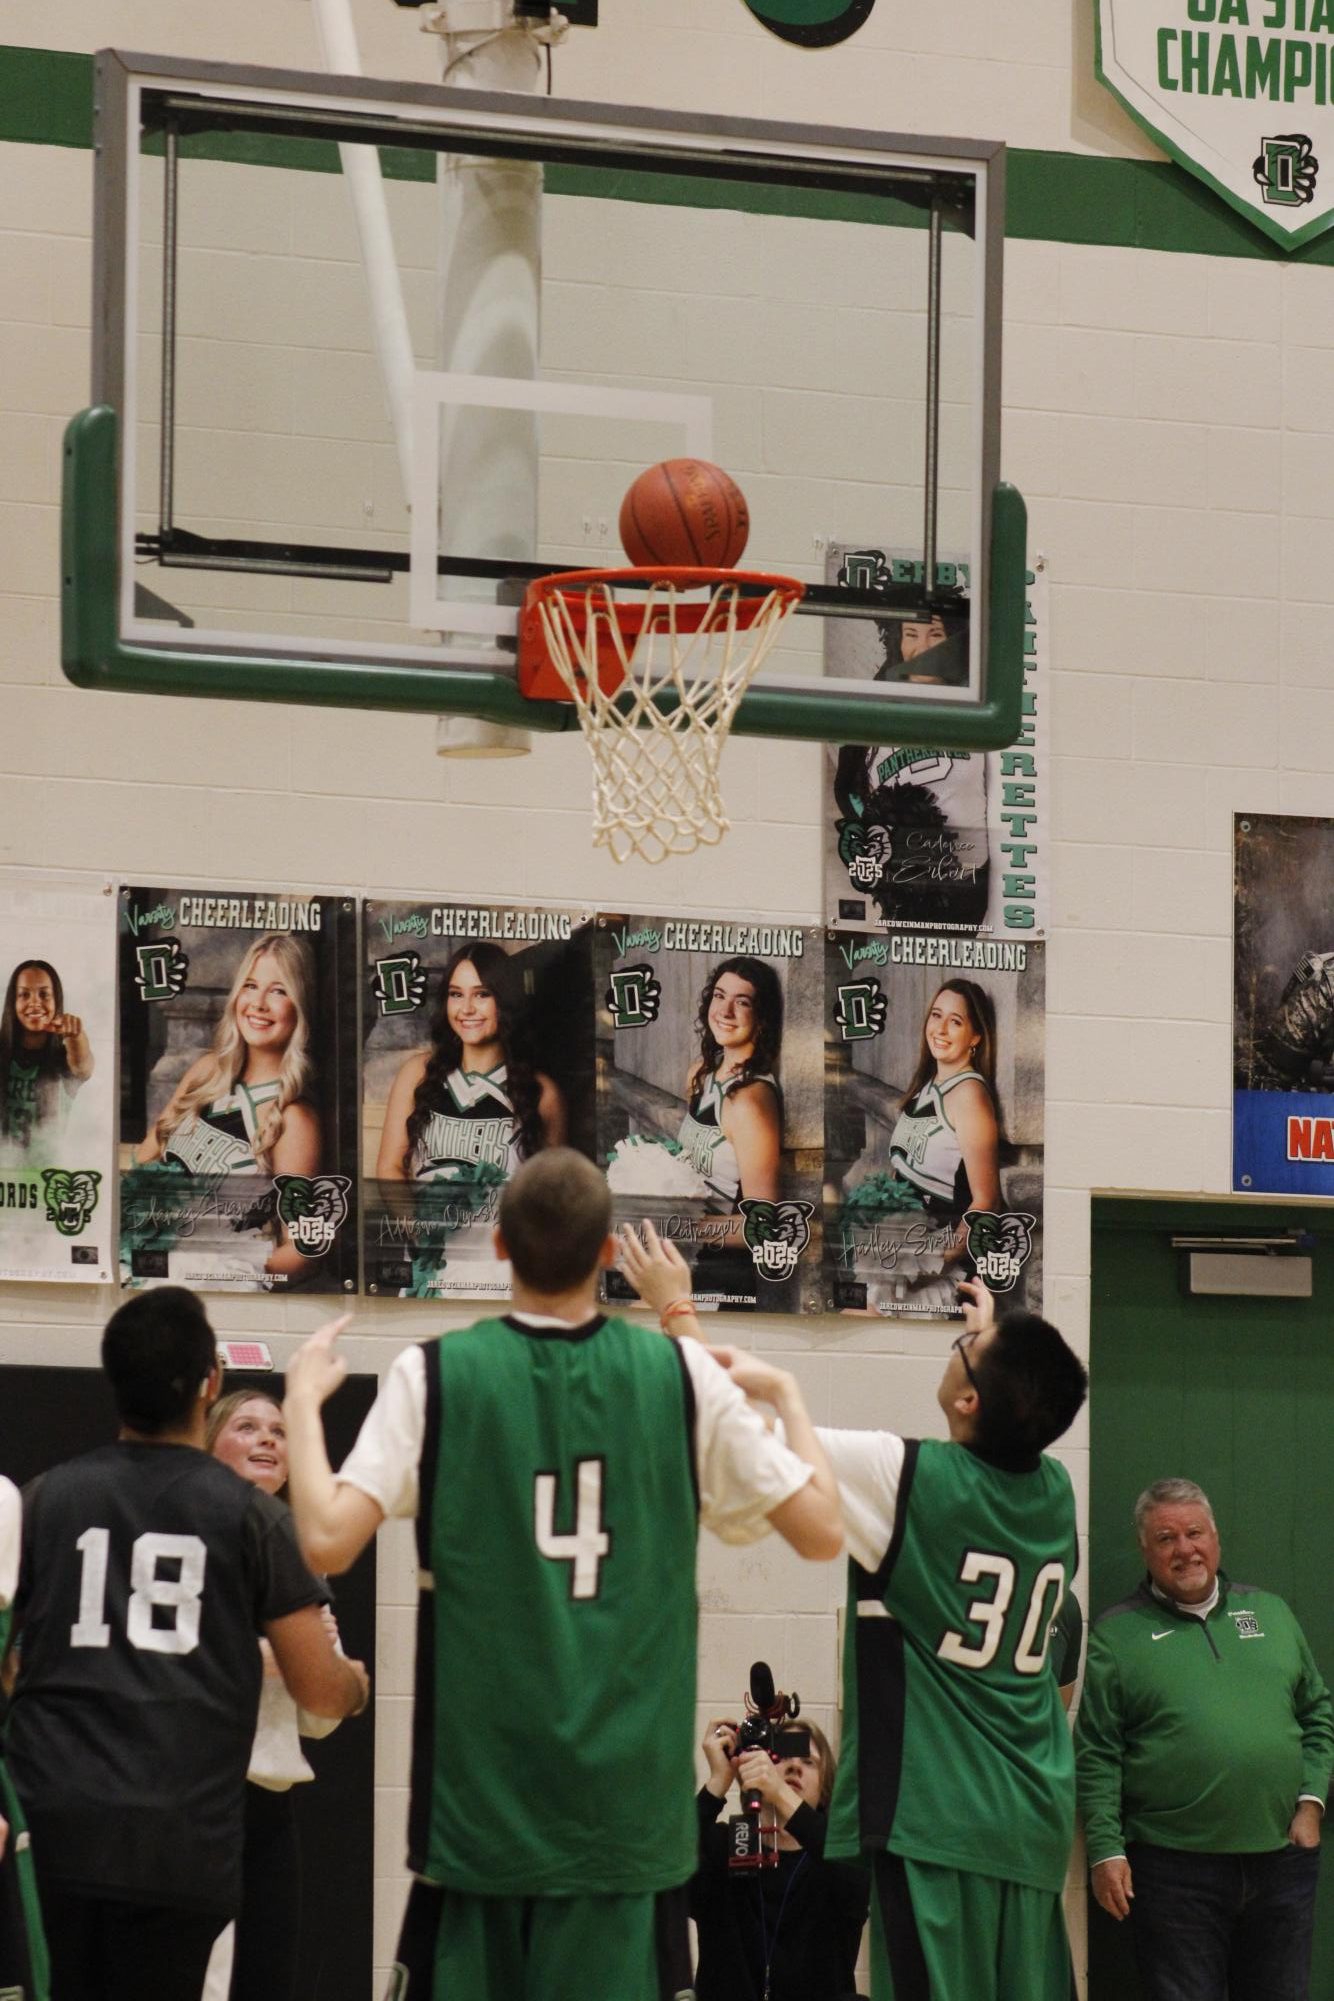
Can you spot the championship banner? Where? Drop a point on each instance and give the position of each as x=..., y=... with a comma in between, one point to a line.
x=1283, y=1006
x=933, y=1127
x=238, y=1104
x=918, y=838
x=710, y=1100
x=478, y=1053
x=57, y=1084
x=1239, y=93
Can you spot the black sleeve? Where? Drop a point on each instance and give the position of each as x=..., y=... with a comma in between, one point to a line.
x=1068, y=1640
x=281, y=1581
x=709, y=1881
x=808, y=1825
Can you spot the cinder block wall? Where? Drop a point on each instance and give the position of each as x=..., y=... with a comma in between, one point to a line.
x=1167, y=414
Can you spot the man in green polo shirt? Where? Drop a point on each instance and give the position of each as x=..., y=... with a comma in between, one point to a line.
x=1204, y=1748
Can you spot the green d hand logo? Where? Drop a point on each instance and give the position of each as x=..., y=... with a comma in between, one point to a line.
x=813, y=24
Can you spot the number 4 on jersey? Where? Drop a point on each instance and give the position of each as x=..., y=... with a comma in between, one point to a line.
x=590, y=1542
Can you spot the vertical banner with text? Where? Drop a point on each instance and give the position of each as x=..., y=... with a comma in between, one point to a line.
x=57, y=1083
x=919, y=838
x=238, y=1113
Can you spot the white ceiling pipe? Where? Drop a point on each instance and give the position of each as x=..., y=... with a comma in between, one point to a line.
x=489, y=320
x=361, y=170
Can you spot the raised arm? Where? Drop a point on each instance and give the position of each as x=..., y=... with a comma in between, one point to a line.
x=809, y=1518
x=334, y=1522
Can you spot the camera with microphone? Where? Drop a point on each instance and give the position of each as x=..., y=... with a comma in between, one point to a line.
x=766, y=1726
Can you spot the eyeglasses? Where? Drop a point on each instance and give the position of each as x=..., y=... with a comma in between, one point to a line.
x=960, y=1350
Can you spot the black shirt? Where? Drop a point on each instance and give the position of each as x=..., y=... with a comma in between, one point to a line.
x=147, y=1573
x=804, y=1918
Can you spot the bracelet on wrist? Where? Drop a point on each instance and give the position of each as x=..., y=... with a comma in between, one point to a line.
x=675, y=1306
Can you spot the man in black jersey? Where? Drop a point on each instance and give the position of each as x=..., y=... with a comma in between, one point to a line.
x=148, y=1572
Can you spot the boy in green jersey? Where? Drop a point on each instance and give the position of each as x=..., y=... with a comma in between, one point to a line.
x=558, y=1463
x=956, y=1779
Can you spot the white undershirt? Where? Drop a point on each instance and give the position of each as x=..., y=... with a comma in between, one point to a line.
x=1200, y=1610
x=744, y=1470
x=11, y=1528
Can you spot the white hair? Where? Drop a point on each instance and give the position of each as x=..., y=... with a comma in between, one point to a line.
x=1170, y=1494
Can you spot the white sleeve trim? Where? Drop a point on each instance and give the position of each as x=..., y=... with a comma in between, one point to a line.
x=11, y=1539
x=745, y=1471
x=384, y=1461
x=868, y=1466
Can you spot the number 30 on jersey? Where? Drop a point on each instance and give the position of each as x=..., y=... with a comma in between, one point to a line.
x=981, y=1566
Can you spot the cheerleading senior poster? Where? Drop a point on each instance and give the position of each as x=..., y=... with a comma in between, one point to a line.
x=922, y=838
x=238, y=1089
x=933, y=1130
x=710, y=1100
x=57, y=1065
x=478, y=1053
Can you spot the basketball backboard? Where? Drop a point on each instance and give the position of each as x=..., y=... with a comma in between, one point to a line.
x=585, y=289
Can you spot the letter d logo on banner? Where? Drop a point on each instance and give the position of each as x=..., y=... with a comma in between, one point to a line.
x=812, y=24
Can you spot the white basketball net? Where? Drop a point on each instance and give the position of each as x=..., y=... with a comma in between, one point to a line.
x=655, y=767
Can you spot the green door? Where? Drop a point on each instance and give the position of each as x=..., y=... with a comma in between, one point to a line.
x=1237, y=1394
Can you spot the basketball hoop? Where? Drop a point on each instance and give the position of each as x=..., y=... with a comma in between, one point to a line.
x=656, y=682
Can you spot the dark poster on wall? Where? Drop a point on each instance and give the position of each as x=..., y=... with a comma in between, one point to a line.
x=1283, y=1005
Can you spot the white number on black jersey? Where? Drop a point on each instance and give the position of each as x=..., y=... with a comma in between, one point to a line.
x=1030, y=1655
x=182, y=1593
x=590, y=1542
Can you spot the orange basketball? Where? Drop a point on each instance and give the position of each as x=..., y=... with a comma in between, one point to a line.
x=685, y=513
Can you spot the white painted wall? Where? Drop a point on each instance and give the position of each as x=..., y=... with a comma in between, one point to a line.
x=1169, y=419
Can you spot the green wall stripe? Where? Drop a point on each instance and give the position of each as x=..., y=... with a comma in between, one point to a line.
x=46, y=100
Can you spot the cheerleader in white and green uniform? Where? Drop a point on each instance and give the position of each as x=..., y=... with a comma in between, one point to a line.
x=243, y=1108
x=945, y=1145
x=469, y=1108
x=732, y=1132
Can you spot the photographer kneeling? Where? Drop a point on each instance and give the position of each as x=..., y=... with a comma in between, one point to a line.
x=790, y=1932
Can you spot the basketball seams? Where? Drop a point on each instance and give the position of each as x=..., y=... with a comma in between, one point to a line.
x=669, y=474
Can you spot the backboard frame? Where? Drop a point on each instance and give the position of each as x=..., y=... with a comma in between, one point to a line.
x=105, y=643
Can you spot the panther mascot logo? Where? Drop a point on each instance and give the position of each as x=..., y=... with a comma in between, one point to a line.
x=776, y=1233
x=864, y=851
x=70, y=1198
x=312, y=1209
x=999, y=1246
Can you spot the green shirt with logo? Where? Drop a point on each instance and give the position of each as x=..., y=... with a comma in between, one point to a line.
x=1200, y=1733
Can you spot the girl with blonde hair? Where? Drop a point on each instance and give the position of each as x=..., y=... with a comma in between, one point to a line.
x=242, y=1107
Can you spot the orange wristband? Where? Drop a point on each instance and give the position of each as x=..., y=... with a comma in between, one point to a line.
x=674, y=1306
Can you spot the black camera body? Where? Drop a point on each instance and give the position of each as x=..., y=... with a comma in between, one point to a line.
x=766, y=1726
x=780, y=1740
